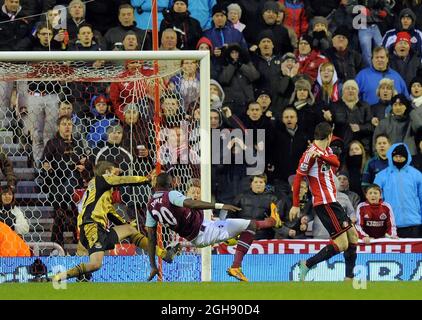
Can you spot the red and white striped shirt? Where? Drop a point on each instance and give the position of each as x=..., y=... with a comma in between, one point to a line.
x=320, y=174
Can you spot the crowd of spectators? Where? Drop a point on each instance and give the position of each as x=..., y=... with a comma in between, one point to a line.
x=282, y=66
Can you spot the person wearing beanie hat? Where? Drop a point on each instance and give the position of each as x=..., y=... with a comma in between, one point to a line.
x=404, y=59
x=320, y=34
x=263, y=97
x=101, y=99
x=319, y=23
x=401, y=123
x=403, y=36
x=270, y=6
x=405, y=23
x=187, y=28
x=303, y=101
x=234, y=13
x=306, y=38
x=309, y=59
x=205, y=44
x=287, y=56
x=400, y=156
x=346, y=60
x=266, y=34
x=303, y=84
x=100, y=105
x=186, y=2
x=401, y=186
x=342, y=31
x=268, y=21
x=222, y=33
x=219, y=8
x=101, y=119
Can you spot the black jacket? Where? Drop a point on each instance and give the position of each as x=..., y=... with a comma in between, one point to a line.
x=347, y=65
x=61, y=180
x=189, y=26
x=237, y=78
x=269, y=71
x=11, y=32
x=281, y=37
x=255, y=206
x=117, y=34
x=289, y=151
x=408, y=68
x=343, y=117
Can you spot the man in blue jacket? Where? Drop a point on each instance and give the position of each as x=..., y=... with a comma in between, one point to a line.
x=223, y=33
x=401, y=186
x=368, y=78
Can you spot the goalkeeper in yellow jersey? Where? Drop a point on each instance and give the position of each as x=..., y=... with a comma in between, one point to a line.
x=97, y=210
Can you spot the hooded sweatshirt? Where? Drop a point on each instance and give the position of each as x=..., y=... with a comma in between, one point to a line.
x=320, y=95
x=390, y=36
x=402, y=189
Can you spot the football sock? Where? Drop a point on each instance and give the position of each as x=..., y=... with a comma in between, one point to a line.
x=141, y=241
x=350, y=259
x=243, y=244
x=324, y=254
x=76, y=271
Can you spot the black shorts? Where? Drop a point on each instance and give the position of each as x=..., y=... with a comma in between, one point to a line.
x=333, y=218
x=95, y=238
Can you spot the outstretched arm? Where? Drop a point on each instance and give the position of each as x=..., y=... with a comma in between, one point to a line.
x=198, y=204
x=115, y=181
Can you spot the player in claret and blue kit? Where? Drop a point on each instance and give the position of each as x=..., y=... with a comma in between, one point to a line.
x=185, y=217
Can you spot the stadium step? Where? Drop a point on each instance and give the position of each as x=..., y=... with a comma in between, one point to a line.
x=40, y=225
x=38, y=212
x=19, y=161
x=46, y=236
x=12, y=148
x=6, y=122
x=6, y=137
x=24, y=186
x=27, y=174
x=30, y=199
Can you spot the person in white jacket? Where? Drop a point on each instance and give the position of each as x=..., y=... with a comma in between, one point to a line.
x=11, y=214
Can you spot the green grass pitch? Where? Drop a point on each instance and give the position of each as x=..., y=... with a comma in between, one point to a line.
x=213, y=291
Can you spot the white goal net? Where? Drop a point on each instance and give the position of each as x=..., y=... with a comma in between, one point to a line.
x=61, y=113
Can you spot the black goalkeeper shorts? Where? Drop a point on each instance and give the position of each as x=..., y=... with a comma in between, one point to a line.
x=333, y=218
x=95, y=238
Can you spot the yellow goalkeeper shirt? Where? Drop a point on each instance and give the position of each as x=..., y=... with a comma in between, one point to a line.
x=98, y=206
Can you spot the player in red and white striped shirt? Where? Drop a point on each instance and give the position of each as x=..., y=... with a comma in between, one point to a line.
x=318, y=165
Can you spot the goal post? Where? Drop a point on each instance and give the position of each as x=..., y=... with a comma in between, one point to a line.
x=12, y=68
